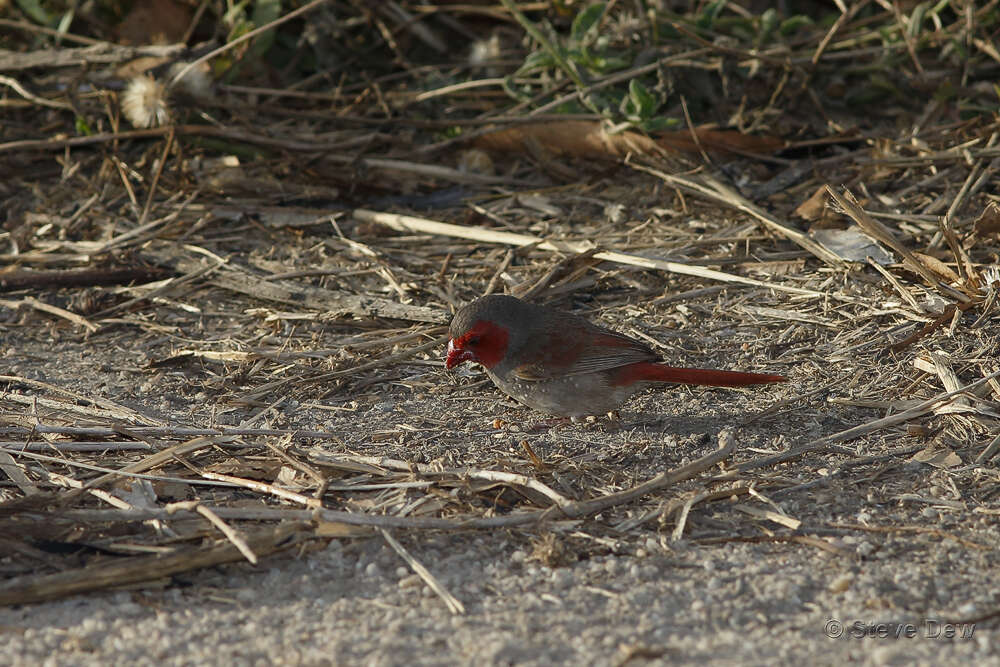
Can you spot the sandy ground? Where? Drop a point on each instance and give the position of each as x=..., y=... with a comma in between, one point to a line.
x=569, y=592
x=359, y=604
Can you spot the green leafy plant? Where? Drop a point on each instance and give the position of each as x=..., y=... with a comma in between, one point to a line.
x=584, y=56
x=241, y=18
x=640, y=107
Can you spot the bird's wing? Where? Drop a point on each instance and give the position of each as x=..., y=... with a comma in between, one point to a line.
x=570, y=352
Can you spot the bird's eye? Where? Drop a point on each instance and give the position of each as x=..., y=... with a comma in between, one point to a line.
x=473, y=341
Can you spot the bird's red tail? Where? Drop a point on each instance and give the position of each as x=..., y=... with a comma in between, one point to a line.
x=651, y=372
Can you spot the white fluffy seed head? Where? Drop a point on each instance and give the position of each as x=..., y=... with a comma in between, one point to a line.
x=145, y=102
x=485, y=50
x=196, y=82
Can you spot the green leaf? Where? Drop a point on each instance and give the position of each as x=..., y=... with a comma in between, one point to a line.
x=516, y=92
x=643, y=102
x=35, y=11
x=83, y=127
x=627, y=108
x=614, y=63
x=768, y=23
x=712, y=10
x=917, y=19
x=659, y=124
x=264, y=12
x=792, y=24
x=580, y=57
x=596, y=63
x=541, y=59
x=586, y=21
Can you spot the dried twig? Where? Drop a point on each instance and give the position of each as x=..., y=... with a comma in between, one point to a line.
x=411, y=224
x=51, y=310
x=454, y=606
x=232, y=535
x=26, y=590
x=718, y=192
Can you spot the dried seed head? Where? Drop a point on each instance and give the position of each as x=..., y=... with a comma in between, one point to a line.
x=485, y=50
x=145, y=102
x=196, y=82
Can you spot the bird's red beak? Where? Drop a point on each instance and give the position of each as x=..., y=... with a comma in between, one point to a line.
x=457, y=356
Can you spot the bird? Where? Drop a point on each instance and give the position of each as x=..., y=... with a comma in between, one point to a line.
x=562, y=364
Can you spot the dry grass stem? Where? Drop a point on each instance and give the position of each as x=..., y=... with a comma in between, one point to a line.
x=454, y=605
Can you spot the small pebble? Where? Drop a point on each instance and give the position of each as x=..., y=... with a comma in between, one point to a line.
x=562, y=578
x=841, y=583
